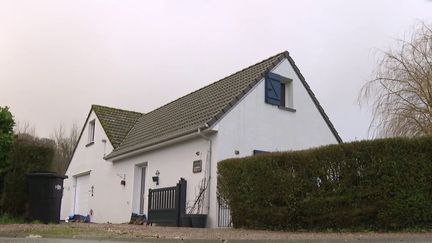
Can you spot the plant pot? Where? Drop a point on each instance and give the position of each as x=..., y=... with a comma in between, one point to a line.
x=186, y=220
x=198, y=220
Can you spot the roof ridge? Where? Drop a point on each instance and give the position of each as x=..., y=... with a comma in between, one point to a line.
x=114, y=108
x=105, y=125
x=160, y=107
x=278, y=57
x=240, y=95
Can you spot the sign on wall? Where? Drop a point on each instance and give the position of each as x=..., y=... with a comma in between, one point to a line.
x=197, y=166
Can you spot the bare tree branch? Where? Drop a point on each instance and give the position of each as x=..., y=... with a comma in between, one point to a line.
x=65, y=144
x=21, y=128
x=401, y=89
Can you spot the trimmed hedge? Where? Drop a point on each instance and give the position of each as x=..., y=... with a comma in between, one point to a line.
x=28, y=154
x=383, y=184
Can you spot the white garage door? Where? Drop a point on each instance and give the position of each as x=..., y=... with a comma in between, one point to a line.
x=82, y=194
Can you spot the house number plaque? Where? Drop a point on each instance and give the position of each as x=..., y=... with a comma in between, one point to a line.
x=197, y=166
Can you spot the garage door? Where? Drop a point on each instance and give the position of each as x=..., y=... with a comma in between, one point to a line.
x=82, y=194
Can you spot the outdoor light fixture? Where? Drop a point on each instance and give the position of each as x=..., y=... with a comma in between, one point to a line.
x=236, y=152
x=123, y=179
x=156, y=178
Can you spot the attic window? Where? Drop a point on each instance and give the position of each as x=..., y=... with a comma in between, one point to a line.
x=279, y=91
x=91, y=132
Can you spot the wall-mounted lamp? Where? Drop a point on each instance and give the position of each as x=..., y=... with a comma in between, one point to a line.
x=156, y=178
x=236, y=152
x=123, y=179
x=197, y=153
x=104, y=141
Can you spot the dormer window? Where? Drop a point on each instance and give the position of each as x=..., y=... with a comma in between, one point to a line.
x=91, y=132
x=279, y=91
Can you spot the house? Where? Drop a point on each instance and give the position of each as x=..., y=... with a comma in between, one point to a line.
x=121, y=154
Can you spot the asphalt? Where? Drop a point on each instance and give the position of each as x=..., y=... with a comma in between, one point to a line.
x=421, y=239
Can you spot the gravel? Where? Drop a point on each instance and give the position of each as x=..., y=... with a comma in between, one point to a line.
x=125, y=231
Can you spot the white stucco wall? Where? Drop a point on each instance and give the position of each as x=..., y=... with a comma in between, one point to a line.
x=254, y=124
x=90, y=159
x=113, y=202
x=172, y=162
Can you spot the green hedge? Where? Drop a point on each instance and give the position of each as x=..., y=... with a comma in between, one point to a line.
x=28, y=154
x=6, y=142
x=382, y=184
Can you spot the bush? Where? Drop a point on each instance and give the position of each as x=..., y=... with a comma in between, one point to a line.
x=8, y=219
x=6, y=142
x=381, y=185
x=28, y=154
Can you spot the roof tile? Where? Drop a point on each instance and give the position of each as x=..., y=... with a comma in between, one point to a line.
x=207, y=105
x=116, y=122
x=190, y=112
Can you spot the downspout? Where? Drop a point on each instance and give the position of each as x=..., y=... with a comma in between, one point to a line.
x=209, y=154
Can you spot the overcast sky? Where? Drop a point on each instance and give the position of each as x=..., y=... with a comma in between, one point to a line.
x=59, y=57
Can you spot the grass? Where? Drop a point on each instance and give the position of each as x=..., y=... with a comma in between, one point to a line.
x=72, y=230
x=65, y=231
x=9, y=219
x=131, y=232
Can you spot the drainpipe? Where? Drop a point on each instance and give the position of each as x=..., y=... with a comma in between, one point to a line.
x=209, y=154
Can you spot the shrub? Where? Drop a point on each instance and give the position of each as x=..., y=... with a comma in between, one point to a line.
x=8, y=219
x=6, y=142
x=28, y=154
x=382, y=184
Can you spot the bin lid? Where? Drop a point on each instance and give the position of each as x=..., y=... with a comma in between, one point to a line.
x=46, y=174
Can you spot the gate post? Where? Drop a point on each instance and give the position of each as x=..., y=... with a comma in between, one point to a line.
x=181, y=206
x=149, y=205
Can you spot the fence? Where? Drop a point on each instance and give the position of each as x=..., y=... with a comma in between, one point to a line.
x=224, y=213
x=166, y=205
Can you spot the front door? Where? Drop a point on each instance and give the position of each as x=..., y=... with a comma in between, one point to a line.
x=139, y=189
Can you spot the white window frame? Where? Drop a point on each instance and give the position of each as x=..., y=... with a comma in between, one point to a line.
x=289, y=93
x=91, y=131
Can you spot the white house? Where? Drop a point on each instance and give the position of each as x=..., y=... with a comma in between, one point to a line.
x=265, y=107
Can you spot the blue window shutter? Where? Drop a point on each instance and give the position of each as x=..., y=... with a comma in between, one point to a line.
x=272, y=89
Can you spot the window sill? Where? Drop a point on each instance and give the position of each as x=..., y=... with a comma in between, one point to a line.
x=287, y=108
x=89, y=144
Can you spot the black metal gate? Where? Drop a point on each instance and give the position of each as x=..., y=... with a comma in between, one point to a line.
x=166, y=205
x=224, y=213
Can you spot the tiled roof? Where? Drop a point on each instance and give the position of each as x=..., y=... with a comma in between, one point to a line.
x=205, y=106
x=116, y=122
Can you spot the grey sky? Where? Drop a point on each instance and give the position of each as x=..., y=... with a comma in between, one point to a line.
x=59, y=57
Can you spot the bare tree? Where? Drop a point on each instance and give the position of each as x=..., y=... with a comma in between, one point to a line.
x=22, y=128
x=401, y=88
x=197, y=206
x=64, y=144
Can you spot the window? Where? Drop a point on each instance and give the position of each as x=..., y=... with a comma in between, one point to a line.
x=279, y=91
x=91, y=132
